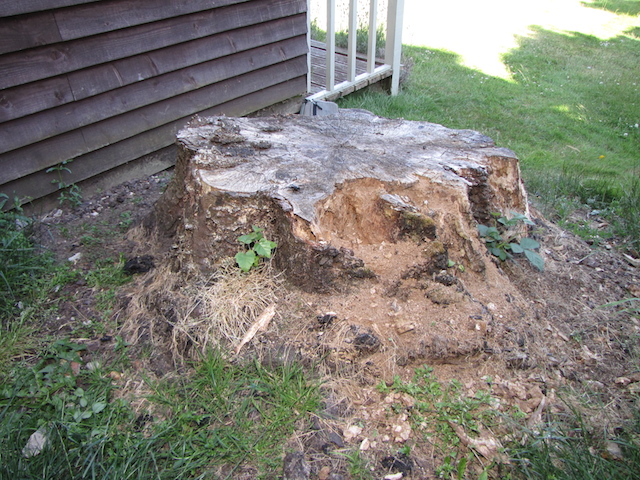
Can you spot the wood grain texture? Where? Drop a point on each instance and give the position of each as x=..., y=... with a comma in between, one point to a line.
x=123, y=72
x=120, y=154
x=28, y=31
x=50, y=152
x=52, y=26
x=19, y=7
x=35, y=64
x=35, y=97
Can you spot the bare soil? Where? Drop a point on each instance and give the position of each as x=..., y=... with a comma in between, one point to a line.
x=535, y=335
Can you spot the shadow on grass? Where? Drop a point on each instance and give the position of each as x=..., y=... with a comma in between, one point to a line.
x=626, y=7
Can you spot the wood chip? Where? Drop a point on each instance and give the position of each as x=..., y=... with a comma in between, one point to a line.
x=259, y=325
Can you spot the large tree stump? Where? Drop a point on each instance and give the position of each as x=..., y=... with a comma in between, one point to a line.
x=324, y=188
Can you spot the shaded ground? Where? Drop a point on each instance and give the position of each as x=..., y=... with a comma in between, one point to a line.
x=550, y=335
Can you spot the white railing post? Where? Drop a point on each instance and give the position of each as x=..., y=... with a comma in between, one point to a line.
x=393, y=48
x=308, y=46
x=373, y=31
x=331, y=45
x=352, y=40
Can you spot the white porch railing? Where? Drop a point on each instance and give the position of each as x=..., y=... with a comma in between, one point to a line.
x=391, y=66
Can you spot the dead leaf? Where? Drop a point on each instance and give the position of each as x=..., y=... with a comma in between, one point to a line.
x=324, y=473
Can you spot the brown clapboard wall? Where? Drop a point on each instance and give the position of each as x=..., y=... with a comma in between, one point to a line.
x=107, y=83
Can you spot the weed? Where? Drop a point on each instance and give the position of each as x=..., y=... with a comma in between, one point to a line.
x=257, y=247
x=234, y=414
x=502, y=239
x=69, y=192
x=357, y=465
x=438, y=408
x=105, y=278
x=125, y=221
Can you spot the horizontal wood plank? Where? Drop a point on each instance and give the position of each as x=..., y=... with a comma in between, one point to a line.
x=28, y=31
x=35, y=97
x=49, y=123
x=130, y=70
x=120, y=154
x=106, y=16
x=20, y=7
x=52, y=26
x=23, y=67
x=30, y=159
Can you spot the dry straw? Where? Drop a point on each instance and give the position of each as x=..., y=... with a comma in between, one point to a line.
x=190, y=315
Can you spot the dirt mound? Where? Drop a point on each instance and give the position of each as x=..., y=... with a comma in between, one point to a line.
x=523, y=334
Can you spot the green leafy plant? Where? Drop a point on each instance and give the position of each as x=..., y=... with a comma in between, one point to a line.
x=257, y=247
x=502, y=239
x=69, y=192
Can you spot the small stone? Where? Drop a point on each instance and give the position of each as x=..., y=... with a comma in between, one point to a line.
x=393, y=476
x=614, y=451
x=401, y=432
x=405, y=328
x=351, y=432
x=75, y=258
x=481, y=327
x=75, y=367
x=365, y=445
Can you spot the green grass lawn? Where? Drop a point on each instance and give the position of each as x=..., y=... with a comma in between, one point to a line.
x=565, y=101
x=569, y=106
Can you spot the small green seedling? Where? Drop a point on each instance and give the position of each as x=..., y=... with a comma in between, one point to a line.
x=257, y=247
x=502, y=241
x=69, y=192
x=451, y=264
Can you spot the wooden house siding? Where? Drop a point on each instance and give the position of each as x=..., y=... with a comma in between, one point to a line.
x=107, y=82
